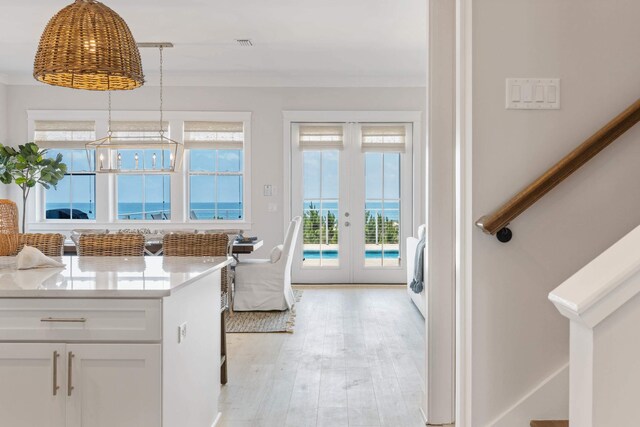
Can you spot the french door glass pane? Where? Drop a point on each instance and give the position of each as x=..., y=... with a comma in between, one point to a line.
x=320, y=208
x=382, y=209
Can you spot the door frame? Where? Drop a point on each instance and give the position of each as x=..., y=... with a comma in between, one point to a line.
x=463, y=32
x=413, y=117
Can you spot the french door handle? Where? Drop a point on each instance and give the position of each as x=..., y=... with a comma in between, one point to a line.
x=56, y=387
x=70, y=374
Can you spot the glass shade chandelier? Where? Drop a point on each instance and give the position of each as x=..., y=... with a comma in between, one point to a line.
x=88, y=46
x=164, y=152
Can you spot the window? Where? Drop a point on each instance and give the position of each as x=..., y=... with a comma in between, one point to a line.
x=216, y=170
x=74, y=196
x=145, y=195
x=212, y=175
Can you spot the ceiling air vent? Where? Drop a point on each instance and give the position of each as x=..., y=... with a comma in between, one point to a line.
x=244, y=42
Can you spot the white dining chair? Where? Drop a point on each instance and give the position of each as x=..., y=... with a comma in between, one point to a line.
x=265, y=284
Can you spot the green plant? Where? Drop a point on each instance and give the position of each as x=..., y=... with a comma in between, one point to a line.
x=28, y=166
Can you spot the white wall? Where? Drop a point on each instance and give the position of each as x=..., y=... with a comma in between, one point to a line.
x=518, y=336
x=266, y=104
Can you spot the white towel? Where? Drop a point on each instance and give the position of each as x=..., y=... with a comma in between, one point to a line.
x=30, y=257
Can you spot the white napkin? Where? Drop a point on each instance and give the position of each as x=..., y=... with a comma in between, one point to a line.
x=30, y=257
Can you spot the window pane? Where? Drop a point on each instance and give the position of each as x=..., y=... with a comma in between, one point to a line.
x=382, y=209
x=157, y=197
x=202, y=197
x=80, y=161
x=229, y=160
x=320, y=208
x=58, y=198
x=311, y=174
x=391, y=175
x=373, y=175
x=329, y=174
x=74, y=196
x=130, y=202
x=83, y=189
x=202, y=160
x=229, y=206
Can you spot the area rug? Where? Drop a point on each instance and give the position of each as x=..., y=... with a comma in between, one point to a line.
x=262, y=321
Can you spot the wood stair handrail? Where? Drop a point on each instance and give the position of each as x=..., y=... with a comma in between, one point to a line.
x=498, y=220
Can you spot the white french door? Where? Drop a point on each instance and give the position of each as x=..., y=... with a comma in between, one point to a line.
x=352, y=185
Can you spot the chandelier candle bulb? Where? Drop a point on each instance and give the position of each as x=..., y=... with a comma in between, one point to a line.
x=101, y=161
x=135, y=157
x=153, y=161
x=119, y=161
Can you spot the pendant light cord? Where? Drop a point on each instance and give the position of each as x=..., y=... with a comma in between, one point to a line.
x=109, y=130
x=161, y=90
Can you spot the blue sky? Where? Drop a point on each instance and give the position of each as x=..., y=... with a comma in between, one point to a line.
x=327, y=185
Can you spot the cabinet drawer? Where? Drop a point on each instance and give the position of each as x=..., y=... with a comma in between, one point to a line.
x=80, y=320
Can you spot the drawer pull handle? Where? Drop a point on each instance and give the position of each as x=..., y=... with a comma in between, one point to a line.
x=55, y=373
x=63, y=320
x=70, y=374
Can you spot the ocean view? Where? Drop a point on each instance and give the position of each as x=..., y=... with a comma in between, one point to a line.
x=159, y=211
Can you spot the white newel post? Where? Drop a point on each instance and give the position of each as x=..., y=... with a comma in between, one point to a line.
x=602, y=302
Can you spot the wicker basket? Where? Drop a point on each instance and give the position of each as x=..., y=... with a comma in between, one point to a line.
x=8, y=227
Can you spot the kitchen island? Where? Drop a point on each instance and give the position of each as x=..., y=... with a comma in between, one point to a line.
x=111, y=341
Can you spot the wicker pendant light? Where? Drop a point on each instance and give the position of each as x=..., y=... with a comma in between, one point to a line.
x=88, y=46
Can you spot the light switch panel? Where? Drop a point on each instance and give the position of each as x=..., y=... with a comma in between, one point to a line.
x=533, y=94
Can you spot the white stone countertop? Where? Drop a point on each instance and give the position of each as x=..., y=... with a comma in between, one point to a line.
x=106, y=277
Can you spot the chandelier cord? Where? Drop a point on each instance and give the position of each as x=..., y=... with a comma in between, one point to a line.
x=161, y=95
x=109, y=109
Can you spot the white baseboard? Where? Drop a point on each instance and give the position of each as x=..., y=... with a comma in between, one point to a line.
x=549, y=400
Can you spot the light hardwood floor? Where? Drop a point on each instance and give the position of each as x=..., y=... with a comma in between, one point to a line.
x=356, y=359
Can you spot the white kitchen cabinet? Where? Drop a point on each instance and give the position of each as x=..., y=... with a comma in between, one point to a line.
x=113, y=385
x=96, y=385
x=111, y=350
x=28, y=375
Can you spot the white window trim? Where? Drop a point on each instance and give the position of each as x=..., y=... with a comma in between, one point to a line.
x=106, y=208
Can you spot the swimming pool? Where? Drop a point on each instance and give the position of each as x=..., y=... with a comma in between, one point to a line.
x=333, y=254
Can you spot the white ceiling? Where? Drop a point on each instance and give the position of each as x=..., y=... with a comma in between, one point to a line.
x=296, y=42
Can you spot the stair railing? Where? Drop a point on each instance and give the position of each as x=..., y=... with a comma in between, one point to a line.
x=497, y=222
